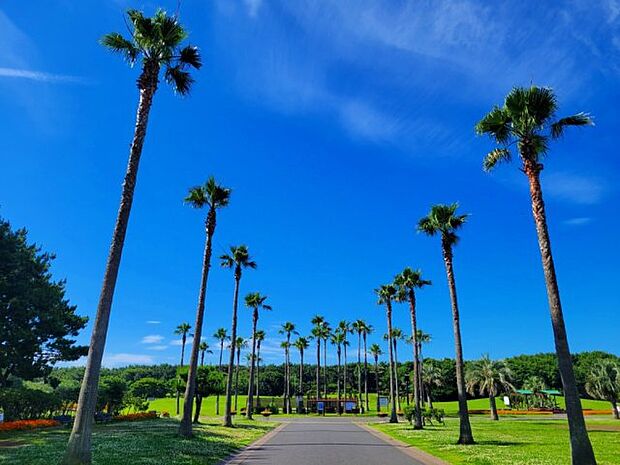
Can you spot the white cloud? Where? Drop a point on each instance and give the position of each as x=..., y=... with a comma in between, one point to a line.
x=123, y=359
x=157, y=347
x=153, y=322
x=152, y=339
x=575, y=188
x=580, y=221
x=40, y=76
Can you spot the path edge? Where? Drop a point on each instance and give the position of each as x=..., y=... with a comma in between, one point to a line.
x=239, y=457
x=408, y=449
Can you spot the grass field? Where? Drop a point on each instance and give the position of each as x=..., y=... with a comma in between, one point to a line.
x=510, y=441
x=141, y=443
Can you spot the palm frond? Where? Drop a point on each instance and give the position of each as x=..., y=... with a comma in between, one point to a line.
x=580, y=119
x=117, y=43
x=494, y=157
x=496, y=124
x=190, y=56
x=180, y=80
x=196, y=197
x=426, y=226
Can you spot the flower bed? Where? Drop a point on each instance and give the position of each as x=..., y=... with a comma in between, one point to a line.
x=136, y=416
x=21, y=425
x=512, y=412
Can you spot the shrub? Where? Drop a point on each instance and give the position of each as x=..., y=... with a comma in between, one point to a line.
x=136, y=416
x=21, y=425
x=24, y=404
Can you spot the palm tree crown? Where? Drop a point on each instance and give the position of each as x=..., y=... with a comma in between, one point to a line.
x=442, y=219
x=210, y=194
x=527, y=118
x=301, y=344
x=409, y=280
x=157, y=41
x=183, y=329
x=238, y=258
x=256, y=301
x=375, y=350
x=489, y=377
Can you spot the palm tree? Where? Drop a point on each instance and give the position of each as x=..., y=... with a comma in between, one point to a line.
x=386, y=293
x=366, y=330
x=240, y=344
x=527, y=119
x=358, y=327
x=255, y=301
x=490, y=378
x=287, y=328
x=204, y=349
x=337, y=339
x=432, y=376
x=376, y=352
x=301, y=344
x=260, y=337
x=345, y=328
x=222, y=337
x=422, y=338
x=238, y=259
x=603, y=382
x=444, y=221
x=408, y=281
x=397, y=334
x=182, y=330
x=317, y=330
x=213, y=196
x=156, y=43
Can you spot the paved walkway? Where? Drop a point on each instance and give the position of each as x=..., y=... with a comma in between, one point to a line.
x=326, y=442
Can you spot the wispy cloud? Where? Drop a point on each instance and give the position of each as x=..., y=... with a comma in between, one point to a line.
x=575, y=188
x=580, y=221
x=152, y=339
x=153, y=322
x=179, y=342
x=40, y=76
x=123, y=359
x=157, y=347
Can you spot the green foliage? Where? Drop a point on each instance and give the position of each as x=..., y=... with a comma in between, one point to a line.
x=148, y=387
x=112, y=390
x=25, y=404
x=37, y=323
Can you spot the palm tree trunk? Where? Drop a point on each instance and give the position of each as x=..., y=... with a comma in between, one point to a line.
x=421, y=372
x=393, y=417
x=344, y=380
x=287, y=397
x=258, y=374
x=359, y=370
x=318, y=371
x=181, y=364
x=377, y=383
x=185, y=428
x=250, y=405
x=217, y=398
x=231, y=358
x=396, y=388
x=614, y=408
x=366, y=372
x=338, y=383
x=324, y=369
x=465, y=435
x=198, y=408
x=202, y=359
x=79, y=446
x=301, y=373
x=493, y=405
x=417, y=424
x=581, y=448
x=237, y=379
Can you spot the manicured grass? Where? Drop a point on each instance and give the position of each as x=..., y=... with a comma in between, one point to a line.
x=510, y=441
x=143, y=443
x=452, y=407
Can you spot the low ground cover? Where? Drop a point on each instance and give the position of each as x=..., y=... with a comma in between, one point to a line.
x=510, y=441
x=141, y=443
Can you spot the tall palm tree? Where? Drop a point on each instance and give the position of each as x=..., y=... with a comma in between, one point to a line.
x=489, y=377
x=376, y=352
x=386, y=294
x=221, y=337
x=408, y=281
x=288, y=329
x=301, y=344
x=155, y=43
x=603, y=382
x=204, y=349
x=237, y=259
x=182, y=330
x=345, y=328
x=255, y=301
x=317, y=330
x=527, y=120
x=366, y=330
x=337, y=339
x=260, y=337
x=240, y=344
x=444, y=220
x=358, y=327
x=213, y=196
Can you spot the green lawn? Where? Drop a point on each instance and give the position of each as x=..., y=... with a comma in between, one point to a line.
x=510, y=441
x=150, y=442
x=452, y=407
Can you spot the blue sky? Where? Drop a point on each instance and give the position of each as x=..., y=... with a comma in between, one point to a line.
x=337, y=124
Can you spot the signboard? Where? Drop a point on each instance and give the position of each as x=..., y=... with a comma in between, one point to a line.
x=320, y=406
x=348, y=406
x=507, y=401
x=384, y=401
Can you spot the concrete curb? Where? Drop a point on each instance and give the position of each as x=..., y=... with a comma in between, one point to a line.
x=411, y=451
x=241, y=456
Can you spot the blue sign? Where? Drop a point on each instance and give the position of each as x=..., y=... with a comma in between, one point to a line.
x=348, y=406
x=384, y=401
x=320, y=406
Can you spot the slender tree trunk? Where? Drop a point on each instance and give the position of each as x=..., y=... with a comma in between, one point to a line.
x=396, y=388
x=581, y=448
x=377, y=382
x=366, y=372
x=614, y=409
x=231, y=358
x=465, y=435
x=79, y=446
x=185, y=428
x=250, y=406
x=417, y=423
x=202, y=359
x=359, y=370
x=217, y=398
x=301, y=373
x=325, y=369
x=198, y=408
x=318, y=371
x=181, y=364
x=493, y=405
x=237, y=379
x=287, y=395
x=393, y=417
x=258, y=374
x=421, y=369
x=345, y=367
